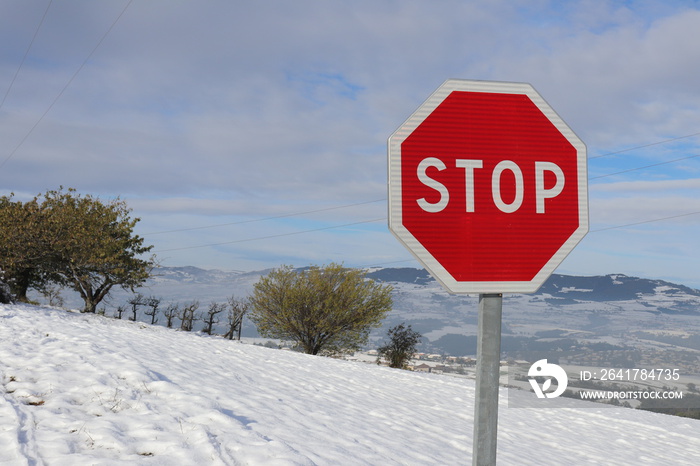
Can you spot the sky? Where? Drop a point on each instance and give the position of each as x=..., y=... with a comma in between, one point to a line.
x=248, y=135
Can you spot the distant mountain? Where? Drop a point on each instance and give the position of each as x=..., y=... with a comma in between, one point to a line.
x=402, y=275
x=190, y=274
x=623, y=320
x=204, y=285
x=615, y=287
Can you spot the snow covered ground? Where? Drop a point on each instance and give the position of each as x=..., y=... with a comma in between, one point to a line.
x=84, y=389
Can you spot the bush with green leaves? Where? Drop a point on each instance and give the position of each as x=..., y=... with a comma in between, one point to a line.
x=324, y=310
x=71, y=240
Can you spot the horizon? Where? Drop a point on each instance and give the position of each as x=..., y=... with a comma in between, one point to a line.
x=421, y=269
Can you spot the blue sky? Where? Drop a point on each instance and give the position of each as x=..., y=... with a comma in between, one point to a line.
x=247, y=135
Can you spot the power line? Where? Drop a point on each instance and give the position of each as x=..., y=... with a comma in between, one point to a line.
x=60, y=94
x=26, y=53
x=645, y=145
x=266, y=218
x=645, y=221
x=646, y=166
x=273, y=236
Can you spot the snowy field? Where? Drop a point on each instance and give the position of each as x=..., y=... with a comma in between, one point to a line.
x=84, y=389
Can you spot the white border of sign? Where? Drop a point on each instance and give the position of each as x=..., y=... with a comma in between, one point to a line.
x=394, y=186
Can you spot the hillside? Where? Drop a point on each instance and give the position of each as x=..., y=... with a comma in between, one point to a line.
x=84, y=389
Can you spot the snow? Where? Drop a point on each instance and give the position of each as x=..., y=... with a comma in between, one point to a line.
x=568, y=289
x=84, y=389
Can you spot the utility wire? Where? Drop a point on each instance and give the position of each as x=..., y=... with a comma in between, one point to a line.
x=26, y=53
x=645, y=221
x=60, y=94
x=273, y=236
x=646, y=166
x=645, y=145
x=265, y=218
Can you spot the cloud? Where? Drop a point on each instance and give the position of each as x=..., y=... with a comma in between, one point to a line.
x=247, y=93
x=200, y=113
x=640, y=208
x=615, y=83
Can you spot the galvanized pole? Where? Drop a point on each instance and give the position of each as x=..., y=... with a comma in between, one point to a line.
x=488, y=354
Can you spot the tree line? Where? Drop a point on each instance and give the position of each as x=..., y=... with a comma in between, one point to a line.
x=65, y=239
x=326, y=310
x=232, y=312
x=323, y=310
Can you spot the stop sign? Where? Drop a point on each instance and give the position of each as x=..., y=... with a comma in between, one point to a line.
x=487, y=187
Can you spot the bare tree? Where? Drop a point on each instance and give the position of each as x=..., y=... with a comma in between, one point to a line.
x=170, y=313
x=188, y=316
x=136, y=301
x=52, y=294
x=119, y=312
x=210, y=317
x=153, y=304
x=237, y=308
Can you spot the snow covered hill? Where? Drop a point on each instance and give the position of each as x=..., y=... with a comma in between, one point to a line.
x=84, y=389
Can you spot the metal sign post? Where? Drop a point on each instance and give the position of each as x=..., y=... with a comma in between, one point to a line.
x=488, y=189
x=488, y=354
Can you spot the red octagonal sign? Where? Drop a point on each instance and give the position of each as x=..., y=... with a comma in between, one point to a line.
x=487, y=187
